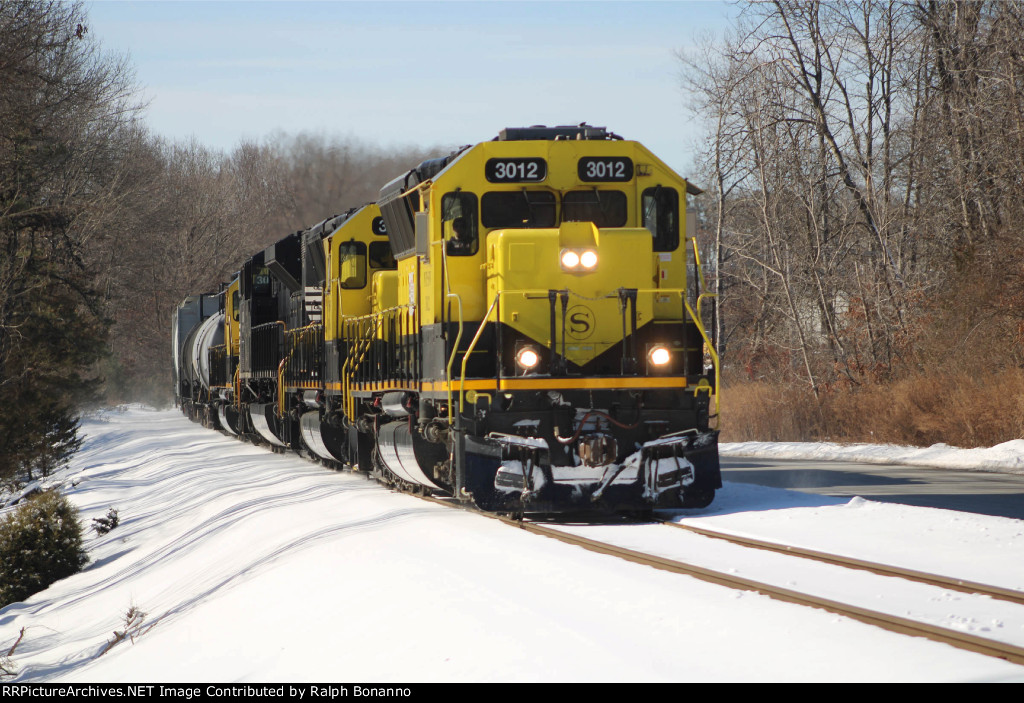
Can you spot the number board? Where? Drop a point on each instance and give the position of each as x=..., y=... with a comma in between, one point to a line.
x=605, y=168
x=378, y=226
x=516, y=170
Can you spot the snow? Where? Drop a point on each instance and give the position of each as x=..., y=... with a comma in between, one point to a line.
x=978, y=548
x=1007, y=457
x=260, y=567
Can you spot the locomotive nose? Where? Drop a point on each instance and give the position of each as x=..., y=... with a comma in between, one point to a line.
x=562, y=286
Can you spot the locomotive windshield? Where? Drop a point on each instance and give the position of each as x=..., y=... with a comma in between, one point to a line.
x=514, y=208
x=605, y=208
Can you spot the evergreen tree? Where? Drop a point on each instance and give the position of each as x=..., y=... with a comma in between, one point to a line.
x=63, y=107
x=40, y=542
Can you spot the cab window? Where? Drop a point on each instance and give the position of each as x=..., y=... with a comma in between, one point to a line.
x=381, y=256
x=661, y=216
x=605, y=208
x=352, y=265
x=458, y=223
x=518, y=208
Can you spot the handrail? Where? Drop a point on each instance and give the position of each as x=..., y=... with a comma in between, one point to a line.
x=681, y=292
x=422, y=185
x=696, y=258
x=295, y=340
x=363, y=338
x=458, y=337
x=306, y=328
x=364, y=329
x=469, y=350
x=352, y=362
x=701, y=294
x=256, y=353
x=280, y=386
x=345, y=324
x=374, y=315
x=345, y=392
x=714, y=361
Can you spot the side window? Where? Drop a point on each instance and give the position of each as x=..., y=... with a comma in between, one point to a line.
x=661, y=216
x=458, y=223
x=352, y=265
x=605, y=208
x=381, y=256
x=236, y=301
x=518, y=208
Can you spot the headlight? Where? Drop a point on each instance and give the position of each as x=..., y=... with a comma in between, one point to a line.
x=570, y=259
x=578, y=260
x=527, y=357
x=659, y=356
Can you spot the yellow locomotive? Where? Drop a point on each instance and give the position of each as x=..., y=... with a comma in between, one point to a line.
x=509, y=324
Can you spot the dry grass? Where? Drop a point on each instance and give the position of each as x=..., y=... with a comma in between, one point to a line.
x=959, y=409
x=133, y=620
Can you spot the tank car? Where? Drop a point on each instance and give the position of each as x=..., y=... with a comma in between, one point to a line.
x=196, y=326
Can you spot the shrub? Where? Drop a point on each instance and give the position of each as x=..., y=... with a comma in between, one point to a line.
x=105, y=524
x=979, y=409
x=40, y=542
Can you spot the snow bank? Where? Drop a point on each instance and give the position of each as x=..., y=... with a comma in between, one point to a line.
x=1007, y=457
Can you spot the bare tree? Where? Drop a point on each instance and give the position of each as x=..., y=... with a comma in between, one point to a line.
x=866, y=160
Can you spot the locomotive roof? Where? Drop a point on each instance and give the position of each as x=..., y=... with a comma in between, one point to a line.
x=540, y=132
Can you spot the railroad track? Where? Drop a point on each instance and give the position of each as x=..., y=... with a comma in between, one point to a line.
x=952, y=584
x=893, y=623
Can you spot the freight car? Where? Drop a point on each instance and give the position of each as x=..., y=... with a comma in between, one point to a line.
x=512, y=325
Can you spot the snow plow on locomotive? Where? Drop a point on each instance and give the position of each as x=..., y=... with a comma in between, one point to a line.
x=511, y=325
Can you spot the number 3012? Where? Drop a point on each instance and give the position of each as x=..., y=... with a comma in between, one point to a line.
x=607, y=168
x=515, y=170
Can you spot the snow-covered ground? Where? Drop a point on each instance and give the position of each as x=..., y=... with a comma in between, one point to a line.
x=253, y=566
x=1007, y=457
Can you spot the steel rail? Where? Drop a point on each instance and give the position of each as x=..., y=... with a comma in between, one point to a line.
x=948, y=582
x=891, y=623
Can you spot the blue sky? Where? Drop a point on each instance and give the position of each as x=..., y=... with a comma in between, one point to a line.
x=425, y=73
